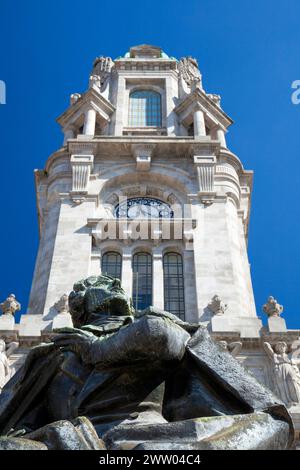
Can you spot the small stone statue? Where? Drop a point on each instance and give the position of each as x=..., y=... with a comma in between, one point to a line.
x=95, y=80
x=233, y=348
x=6, y=371
x=101, y=72
x=10, y=306
x=62, y=305
x=272, y=308
x=217, y=306
x=286, y=372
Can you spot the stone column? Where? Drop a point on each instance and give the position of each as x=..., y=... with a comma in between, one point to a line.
x=169, y=118
x=158, y=279
x=199, y=123
x=190, y=300
x=220, y=135
x=95, y=266
x=119, y=117
x=89, y=122
x=68, y=134
x=127, y=270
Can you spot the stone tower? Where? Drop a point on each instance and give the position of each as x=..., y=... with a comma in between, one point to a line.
x=145, y=134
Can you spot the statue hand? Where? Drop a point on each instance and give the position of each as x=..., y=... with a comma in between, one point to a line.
x=77, y=341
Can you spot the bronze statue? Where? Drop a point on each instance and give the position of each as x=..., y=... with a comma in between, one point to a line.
x=135, y=380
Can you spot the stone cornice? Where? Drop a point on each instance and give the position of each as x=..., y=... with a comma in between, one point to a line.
x=199, y=99
x=144, y=64
x=164, y=145
x=90, y=98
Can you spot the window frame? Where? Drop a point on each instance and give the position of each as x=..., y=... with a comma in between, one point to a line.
x=155, y=110
x=119, y=262
x=138, y=303
x=174, y=292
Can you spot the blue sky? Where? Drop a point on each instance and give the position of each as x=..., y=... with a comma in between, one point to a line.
x=248, y=52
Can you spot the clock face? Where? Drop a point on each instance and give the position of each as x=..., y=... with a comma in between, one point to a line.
x=143, y=208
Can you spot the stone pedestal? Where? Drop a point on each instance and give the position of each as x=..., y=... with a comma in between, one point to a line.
x=276, y=325
x=7, y=322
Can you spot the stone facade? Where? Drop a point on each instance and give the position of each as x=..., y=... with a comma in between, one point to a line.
x=184, y=162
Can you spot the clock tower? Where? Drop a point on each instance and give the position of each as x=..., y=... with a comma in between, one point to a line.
x=145, y=187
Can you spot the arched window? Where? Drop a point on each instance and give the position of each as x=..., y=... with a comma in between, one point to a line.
x=142, y=280
x=144, y=109
x=174, y=284
x=112, y=264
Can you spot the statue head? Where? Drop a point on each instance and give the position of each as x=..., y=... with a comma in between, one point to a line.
x=280, y=347
x=100, y=295
x=2, y=345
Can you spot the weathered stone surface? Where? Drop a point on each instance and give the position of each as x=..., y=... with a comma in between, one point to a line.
x=15, y=443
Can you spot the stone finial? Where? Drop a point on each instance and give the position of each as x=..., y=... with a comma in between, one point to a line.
x=10, y=306
x=74, y=98
x=62, y=305
x=272, y=308
x=217, y=306
x=215, y=98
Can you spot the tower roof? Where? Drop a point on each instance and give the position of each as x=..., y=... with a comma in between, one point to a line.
x=146, y=51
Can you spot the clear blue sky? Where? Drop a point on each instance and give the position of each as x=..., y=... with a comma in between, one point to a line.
x=248, y=52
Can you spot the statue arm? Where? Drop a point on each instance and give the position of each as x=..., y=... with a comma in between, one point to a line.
x=147, y=339
x=268, y=349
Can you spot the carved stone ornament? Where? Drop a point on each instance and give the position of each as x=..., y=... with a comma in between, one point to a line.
x=62, y=305
x=101, y=71
x=215, y=98
x=188, y=69
x=10, y=306
x=74, y=98
x=217, y=306
x=286, y=373
x=272, y=308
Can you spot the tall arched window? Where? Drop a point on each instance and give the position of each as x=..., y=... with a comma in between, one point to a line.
x=142, y=280
x=112, y=264
x=144, y=109
x=174, y=284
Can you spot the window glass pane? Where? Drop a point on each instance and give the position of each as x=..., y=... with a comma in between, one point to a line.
x=144, y=109
x=112, y=264
x=173, y=284
x=142, y=281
